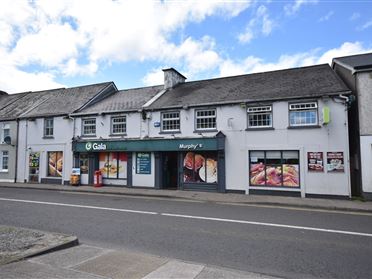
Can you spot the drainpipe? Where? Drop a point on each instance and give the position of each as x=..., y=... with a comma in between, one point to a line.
x=26, y=149
x=16, y=153
x=346, y=99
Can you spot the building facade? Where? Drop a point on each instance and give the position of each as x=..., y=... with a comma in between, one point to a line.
x=356, y=72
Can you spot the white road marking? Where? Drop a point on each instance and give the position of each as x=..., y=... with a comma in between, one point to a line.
x=266, y=224
x=193, y=217
x=82, y=206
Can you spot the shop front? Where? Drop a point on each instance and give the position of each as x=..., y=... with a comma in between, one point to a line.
x=182, y=163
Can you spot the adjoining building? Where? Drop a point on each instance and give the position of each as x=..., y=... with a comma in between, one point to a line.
x=356, y=72
x=45, y=131
x=274, y=132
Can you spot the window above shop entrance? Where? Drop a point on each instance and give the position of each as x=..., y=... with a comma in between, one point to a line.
x=303, y=114
x=170, y=121
x=119, y=125
x=89, y=127
x=205, y=119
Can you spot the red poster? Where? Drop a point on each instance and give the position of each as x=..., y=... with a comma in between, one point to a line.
x=315, y=161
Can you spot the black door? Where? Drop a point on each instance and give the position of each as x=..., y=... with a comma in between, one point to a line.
x=170, y=170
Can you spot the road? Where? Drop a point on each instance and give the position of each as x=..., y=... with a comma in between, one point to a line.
x=291, y=243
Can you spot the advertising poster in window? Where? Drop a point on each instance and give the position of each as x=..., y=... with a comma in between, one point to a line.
x=103, y=164
x=274, y=168
x=335, y=162
x=55, y=165
x=315, y=161
x=113, y=164
x=200, y=167
x=122, y=168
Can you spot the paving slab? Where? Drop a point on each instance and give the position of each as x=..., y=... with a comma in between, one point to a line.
x=70, y=257
x=122, y=264
x=30, y=270
x=213, y=273
x=175, y=270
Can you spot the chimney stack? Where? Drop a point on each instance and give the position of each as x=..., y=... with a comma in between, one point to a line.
x=172, y=77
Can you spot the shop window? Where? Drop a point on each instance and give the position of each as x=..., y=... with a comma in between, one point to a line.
x=205, y=119
x=170, y=121
x=113, y=165
x=274, y=168
x=55, y=165
x=84, y=163
x=303, y=114
x=118, y=125
x=200, y=167
x=260, y=117
x=48, y=127
x=6, y=132
x=4, y=160
x=89, y=127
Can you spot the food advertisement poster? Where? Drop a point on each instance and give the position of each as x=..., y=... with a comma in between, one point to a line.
x=200, y=167
x=280, y=175
x=34, y=159
x=335, y=162
x=55, y=165
x=113, y=164
x=315, y=161
x=143, y=163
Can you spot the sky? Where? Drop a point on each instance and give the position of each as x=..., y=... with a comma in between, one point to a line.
x=47, y=44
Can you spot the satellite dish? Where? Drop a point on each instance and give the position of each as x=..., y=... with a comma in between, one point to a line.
x=8, y=140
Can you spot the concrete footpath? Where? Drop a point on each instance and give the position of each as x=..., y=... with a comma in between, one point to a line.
x=228, y=198
x=89, y=262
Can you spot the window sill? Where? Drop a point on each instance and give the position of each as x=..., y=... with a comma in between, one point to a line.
x=48, y=137
x=170, y=132
x=118, y=135
x=4, y=171
x=206, y=131
x=305, y=127
x=260, y=129
x=88, y=136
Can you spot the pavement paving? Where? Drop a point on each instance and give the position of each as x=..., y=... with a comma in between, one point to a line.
x=90, y=262
x=318, y=203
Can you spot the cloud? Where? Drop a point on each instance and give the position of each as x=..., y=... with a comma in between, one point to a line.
x=366, y=25
x=253, y=64
x=326, y=17
x=78, y=37
x=261, y=23
x=291, y=9
x=354, y=16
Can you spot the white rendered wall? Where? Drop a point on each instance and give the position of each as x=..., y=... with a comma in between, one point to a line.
x=366, y=162
x=31, y=139
x=143, y=180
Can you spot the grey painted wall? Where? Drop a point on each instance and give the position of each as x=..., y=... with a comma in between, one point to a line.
x=364, y=91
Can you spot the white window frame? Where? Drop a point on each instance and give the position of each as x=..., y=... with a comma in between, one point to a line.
x=5, y=127
x=206, y=118
x=124, y=123
x=50, y=128
x=303, y=107
x=2, y=169
x=259, y=111
x=83, y=125
x=163, y=119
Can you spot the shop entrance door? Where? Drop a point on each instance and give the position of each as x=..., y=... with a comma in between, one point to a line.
x=170, y=170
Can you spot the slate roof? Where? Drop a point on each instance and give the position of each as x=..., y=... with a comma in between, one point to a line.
x=313, y=81
x=123, y=100
x=61, y=101
x=355, y=63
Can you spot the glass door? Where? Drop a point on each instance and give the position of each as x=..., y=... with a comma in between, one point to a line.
x=34, y=165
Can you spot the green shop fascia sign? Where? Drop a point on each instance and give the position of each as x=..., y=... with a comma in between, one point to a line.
x=149, y=145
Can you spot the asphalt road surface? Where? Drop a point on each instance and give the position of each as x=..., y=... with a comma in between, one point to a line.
x=291, y=243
